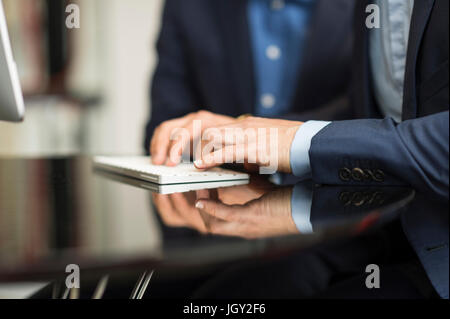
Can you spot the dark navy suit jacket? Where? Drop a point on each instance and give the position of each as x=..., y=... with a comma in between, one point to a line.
x=415, y=152
x=206, y=62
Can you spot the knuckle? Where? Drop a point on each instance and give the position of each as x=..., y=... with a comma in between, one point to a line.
x=203, y=113
x=214, y=228
x=212, y=210
x=157, y=128
x=192, y=115
x=160, y=127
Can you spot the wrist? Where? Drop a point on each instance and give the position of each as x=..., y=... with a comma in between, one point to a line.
x=286, y=204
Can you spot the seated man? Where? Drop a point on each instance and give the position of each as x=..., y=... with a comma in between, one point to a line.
x=407, y=83
x=274, y=58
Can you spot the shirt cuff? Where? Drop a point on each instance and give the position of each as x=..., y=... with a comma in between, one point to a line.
x=301, y=202
x=300, y=147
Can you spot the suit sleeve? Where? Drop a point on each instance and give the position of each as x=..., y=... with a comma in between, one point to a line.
x=381, y=152
x=172, y=93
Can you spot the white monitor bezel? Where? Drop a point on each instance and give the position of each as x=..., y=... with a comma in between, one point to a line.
x=13, y=112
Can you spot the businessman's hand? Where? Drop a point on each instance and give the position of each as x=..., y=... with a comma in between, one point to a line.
x=241, y=194
x=168, y=143
x=178, y=210
x=269, y=215
x=260, y=141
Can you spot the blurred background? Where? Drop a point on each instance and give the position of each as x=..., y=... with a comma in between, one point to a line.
x=86, y=90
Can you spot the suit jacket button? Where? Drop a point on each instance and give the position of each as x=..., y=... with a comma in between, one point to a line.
x=345, y=174
x=358, y=199
x=368, y=175
x=378, y=176
x=345, y=198
x=358, y=174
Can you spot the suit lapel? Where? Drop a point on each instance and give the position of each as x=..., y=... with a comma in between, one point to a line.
x=235, y=30
x=420, y=17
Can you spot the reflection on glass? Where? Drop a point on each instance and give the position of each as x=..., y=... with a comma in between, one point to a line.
x=59, y=211
x=245, y=211
x=251, y=211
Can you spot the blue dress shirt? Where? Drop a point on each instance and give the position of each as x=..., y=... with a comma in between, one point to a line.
x=278, y=29
x=388, y=50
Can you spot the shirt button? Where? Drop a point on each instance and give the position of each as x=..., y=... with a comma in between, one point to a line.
x=277, y=4
x=273, y=52
x=268, y=101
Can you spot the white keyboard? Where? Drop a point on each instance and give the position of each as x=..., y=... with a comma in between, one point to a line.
x=140, y=167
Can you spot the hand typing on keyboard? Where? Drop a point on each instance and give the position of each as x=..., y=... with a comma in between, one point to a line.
x=166, y=148
x=264, y=142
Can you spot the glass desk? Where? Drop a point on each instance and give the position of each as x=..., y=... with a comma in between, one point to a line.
x=61, y=211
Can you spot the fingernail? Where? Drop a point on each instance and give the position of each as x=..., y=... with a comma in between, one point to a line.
x=198, y=163
x=199, y=205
